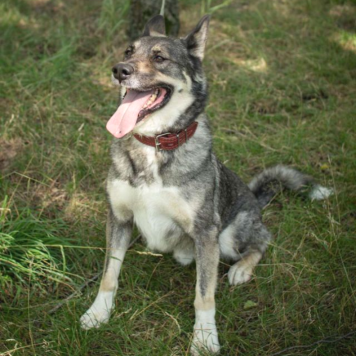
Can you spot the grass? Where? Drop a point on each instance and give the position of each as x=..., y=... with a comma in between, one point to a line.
x=282, y=83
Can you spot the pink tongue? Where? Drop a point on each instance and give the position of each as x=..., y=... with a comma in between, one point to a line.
x=125, y=117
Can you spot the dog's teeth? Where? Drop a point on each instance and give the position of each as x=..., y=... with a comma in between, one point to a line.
x=151, y=100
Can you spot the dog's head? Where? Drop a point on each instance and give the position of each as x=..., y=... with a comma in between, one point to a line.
x=161, y=80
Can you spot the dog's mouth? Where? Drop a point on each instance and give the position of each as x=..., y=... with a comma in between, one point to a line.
x=135, y=106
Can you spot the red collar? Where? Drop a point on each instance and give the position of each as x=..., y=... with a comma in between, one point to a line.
x=168, y=141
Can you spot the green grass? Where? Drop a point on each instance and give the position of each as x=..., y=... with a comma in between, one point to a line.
x=282, y=82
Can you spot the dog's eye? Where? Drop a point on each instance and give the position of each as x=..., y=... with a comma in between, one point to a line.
x=128, y=52
x=158, y=59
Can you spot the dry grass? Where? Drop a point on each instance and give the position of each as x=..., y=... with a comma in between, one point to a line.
x=281, y=77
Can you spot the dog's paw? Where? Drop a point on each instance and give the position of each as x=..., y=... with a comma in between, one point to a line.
x=239, y=273
x=93, y=318
x=99, y=312
x=205, y=337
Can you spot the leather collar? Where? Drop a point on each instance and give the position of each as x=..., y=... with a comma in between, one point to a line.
x=168, y=141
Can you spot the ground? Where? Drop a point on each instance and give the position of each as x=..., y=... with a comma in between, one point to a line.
x=282, y=82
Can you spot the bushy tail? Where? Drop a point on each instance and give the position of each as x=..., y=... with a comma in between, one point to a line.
x=272, y=180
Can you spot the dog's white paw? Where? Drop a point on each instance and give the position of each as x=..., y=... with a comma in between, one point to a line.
x=205, y=334
x=239, y=273
x=205, y=339
x=93, y=319
x=99, y=312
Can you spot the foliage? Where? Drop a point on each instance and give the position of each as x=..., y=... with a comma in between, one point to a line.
x=31, y=250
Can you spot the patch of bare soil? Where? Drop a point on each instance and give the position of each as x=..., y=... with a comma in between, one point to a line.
x=9, y=149
x=345, y=15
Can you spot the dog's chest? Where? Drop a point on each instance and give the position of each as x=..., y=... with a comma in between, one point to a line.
x=159, y=211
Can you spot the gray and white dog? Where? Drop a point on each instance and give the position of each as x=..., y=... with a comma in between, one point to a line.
x=166, y=179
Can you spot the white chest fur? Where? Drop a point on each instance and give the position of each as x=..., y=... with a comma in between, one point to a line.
x=160, y=212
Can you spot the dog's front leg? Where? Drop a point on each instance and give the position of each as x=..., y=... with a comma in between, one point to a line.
x=118, y=235
x=207, y=260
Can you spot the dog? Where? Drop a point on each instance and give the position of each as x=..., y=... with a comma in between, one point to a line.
x=166, y=179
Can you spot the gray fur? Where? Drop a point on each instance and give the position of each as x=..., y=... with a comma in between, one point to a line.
x=205, y=211
x=272, y=180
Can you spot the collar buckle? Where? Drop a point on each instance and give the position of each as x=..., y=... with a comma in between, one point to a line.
x=157, y=143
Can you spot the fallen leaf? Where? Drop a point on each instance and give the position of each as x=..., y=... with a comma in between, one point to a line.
x=249, y=305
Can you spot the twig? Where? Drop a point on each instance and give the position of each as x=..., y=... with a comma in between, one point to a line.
x=162, y=8
x=10, y=352
x=81, y=287
x=327, y=340
x=59, y=305
x=135, y=314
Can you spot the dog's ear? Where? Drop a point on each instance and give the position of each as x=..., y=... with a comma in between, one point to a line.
x=196, y=40
x=155, y=27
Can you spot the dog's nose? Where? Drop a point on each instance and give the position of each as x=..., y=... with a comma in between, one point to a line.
x=122, y=71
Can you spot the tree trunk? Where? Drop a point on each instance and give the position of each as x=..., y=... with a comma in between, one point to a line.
x=142, y=10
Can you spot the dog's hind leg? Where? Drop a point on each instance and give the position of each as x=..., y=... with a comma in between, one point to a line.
x=242, y=271
x=243, y=241
x=117, y=239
